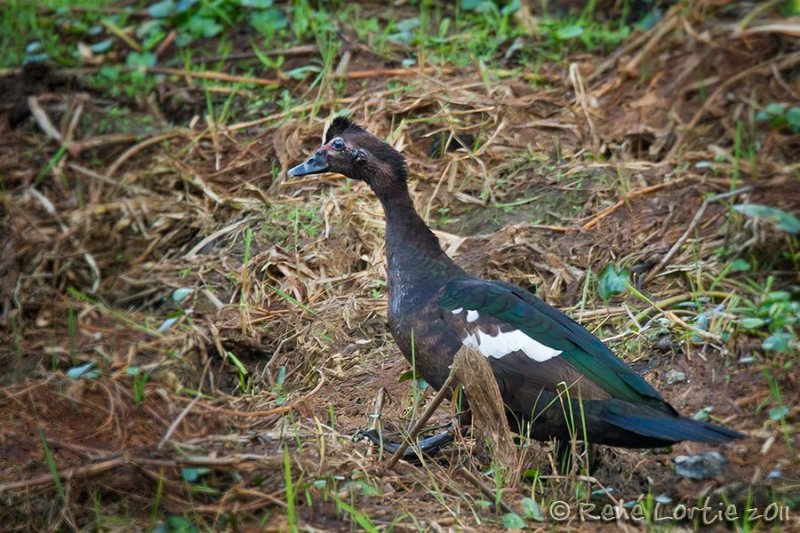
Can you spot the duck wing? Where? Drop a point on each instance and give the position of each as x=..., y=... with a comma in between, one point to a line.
x=520, y=334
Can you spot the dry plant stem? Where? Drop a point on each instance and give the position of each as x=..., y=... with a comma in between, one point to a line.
x=178, y=420
x=475, y=374
x=580, y=95
x=127, y=39
x=274, y=82
x=46, y=480
x=271, y=412
x=135, y=149
x=300, y=50
x=412, y=435
x=192, y=254
x=475, y=480
x=665, y=27
x=65, y=475
x=788, y=29
x=692, y=225
x=786, y=61
x=376, y=413
x=43, y=120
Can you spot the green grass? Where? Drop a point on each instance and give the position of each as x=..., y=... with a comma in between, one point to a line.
x=28, y=29
x=53, y=468
x=290, y=496
x=434, y=34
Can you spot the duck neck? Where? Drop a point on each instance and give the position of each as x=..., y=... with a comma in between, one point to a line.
x=404, y=226
x=415, y=259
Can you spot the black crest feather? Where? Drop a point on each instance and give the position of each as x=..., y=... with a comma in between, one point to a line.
x=339, y=126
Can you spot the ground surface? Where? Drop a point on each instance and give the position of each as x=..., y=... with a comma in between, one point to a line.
x=233, y=319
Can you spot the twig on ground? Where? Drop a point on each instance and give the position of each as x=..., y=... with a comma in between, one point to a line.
x=275, y=82
x=582, y=99
x=489, y=493
x=43, y=120
x=135, y=149
x=270, y=412
x=121, y=34
x=692, y=225
x=65, y=475
x=192, y=254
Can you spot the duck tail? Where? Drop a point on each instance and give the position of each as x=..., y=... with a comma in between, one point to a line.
x=674, y=429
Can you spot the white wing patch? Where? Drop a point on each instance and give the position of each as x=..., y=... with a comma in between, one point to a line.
x=508, y=342
x=472, y=316
x=456, y=311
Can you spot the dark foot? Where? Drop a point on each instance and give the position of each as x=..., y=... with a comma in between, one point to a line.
x=428, y=446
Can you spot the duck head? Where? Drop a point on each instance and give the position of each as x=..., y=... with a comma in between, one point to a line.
x=352, y=151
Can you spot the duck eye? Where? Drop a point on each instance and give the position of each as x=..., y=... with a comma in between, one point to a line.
x=337, y=144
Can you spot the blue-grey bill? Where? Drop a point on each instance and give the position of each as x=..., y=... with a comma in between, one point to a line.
x=314, y=165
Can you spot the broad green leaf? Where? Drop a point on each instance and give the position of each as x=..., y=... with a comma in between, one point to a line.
x=752, y=322
x=179, y=524
x=35, y=58
x=790, y=8
x=167, y=324
x=793, y=119
x=651, y=19
x=183, y=5
x=513, y=521
x=774, y=109
x=300, y=73
x=109, y=73
x=531, y=509
x=510, y=8
x=269, y=21
x=564, y=33
x=178, y=295
x=193, y=474
x=85, y=371
x=409, y=375
x=778, y=296
x=783, y=219
x=34, y=47
x=102, y=46
x=260, y=4
x=144, y=59
x=612, y=281
x=470, y=5
x=161, y=10
x=777, y=413
x=702, y=414
x=740, y=265
x=201, y=26
x=777, y=342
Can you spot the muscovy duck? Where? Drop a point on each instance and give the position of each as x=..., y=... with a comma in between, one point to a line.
x=551, y=372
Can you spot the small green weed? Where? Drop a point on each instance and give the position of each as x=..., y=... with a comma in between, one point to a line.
x=779, y=117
